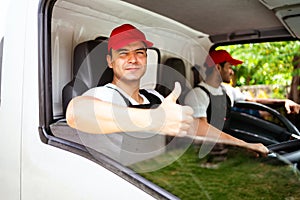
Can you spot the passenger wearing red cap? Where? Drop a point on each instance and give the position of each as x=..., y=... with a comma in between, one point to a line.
x=211, y=104
x=218, y=68
x=226, y=73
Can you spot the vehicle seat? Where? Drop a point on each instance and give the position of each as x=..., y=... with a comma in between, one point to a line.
x=167, y=74
x=89, y=69
x=196, y=75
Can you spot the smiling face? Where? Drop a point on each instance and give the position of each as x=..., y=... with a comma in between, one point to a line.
x=129, y=62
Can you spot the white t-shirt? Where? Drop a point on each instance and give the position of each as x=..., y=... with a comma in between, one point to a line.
x=111, y=144
x=199, y=100
x=108, y=93
x=234, y=94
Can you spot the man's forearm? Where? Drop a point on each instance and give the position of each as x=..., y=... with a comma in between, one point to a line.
x=269, y=101
x=207, y=132
x=92, y=115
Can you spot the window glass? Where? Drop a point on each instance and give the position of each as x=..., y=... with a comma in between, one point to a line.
x=149, y=79
x=270, y=70
x=182, y=166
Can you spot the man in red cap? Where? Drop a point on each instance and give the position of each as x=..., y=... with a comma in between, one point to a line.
x=211, y=103
x=208, y=99
x=102, y=110
x=226, y=73
x=211, y=92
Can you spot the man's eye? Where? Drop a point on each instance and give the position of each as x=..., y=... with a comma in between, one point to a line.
x=141, y=52
x=123, y=53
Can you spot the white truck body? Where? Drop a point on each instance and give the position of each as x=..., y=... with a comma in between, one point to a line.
x=37, y=159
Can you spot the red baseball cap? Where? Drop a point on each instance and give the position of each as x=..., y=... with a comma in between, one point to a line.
x=219, y=56
x=125, y=34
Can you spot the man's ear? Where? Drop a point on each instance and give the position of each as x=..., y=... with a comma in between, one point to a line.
x=218, y=67
x=109, y=61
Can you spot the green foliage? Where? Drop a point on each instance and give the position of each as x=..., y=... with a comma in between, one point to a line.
x=265, y=63
x=241, y=176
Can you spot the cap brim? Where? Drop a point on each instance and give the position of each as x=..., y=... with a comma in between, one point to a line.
x=148, y=43
x=235, y=62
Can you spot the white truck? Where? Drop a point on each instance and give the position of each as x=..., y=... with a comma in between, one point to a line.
x=40, y=156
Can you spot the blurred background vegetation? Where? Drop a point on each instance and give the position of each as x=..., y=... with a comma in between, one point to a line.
x=268, y=63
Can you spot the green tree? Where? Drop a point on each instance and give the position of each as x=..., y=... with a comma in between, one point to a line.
x=269, y=63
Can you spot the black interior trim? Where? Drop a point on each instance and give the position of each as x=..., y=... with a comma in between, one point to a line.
x=158, y=54
x=287, y=146
x=252, y=137
x=44, y=45
x=252, y=105
x=245, y=36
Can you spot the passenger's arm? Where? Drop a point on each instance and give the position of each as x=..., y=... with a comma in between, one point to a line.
x=208, y=132
x=290, y=106
x=92, y=115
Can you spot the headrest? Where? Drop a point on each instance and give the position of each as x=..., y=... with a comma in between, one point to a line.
x=172, y=71
x=177, y=64
x=90, y=61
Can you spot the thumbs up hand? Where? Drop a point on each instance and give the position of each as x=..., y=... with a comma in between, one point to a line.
x=171, y=118
x=173, y=96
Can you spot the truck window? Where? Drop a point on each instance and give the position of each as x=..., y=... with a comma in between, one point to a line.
x=57, y=65
x=160, y=165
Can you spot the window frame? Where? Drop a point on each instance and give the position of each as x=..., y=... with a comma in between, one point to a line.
x=46, y=112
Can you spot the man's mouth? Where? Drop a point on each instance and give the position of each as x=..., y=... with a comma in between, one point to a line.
x=132, y=68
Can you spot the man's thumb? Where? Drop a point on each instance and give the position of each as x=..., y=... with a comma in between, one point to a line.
x=288, y=109
x=173, y=96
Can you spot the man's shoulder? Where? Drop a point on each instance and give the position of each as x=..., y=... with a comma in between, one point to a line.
x=106, y=93
x=197, y=93
x=202, y=88
x=234, y=92
x=95, y=90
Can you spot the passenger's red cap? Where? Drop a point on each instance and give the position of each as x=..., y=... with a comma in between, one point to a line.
x=220, y=56
x=125, y=34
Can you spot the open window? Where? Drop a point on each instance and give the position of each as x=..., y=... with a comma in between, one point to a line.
x=266, y=73
x=72, y=36
x=72, y=43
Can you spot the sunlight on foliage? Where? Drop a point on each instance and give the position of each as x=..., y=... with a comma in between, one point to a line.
x=268, y=63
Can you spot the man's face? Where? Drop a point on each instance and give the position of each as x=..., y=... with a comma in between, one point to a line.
x=226, y=72
x=129, y=62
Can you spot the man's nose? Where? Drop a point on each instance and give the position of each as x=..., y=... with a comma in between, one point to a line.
x=132, y=57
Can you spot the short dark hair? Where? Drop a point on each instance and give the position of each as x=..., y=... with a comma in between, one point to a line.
x=223, y=64
x=110, y=52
